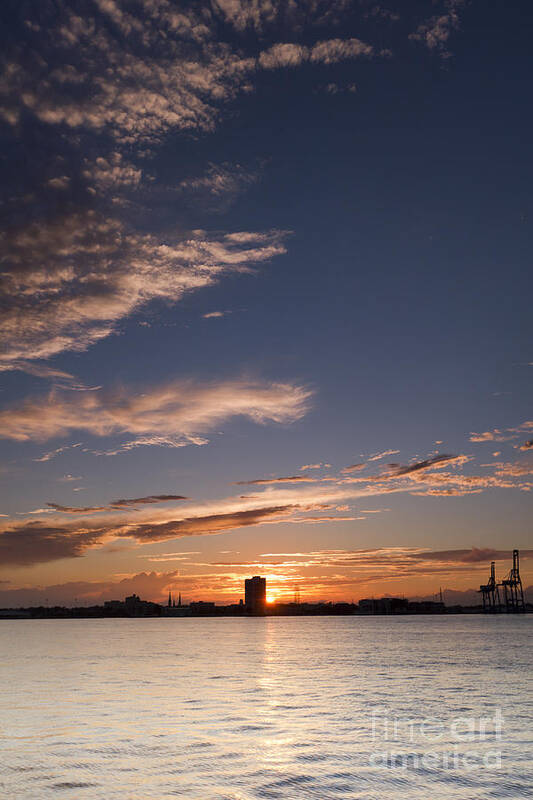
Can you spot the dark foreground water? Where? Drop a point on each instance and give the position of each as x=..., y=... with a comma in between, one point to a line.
x=206, y=709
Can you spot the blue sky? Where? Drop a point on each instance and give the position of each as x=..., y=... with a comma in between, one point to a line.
x=246, y=238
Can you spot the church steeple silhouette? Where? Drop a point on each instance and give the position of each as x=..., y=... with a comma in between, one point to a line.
x=169, y=599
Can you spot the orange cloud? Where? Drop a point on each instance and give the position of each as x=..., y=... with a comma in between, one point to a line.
x=281, y=500
x=37, y=542
x=495, y=435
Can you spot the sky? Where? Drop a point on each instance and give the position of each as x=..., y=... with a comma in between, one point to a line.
x=266, y=297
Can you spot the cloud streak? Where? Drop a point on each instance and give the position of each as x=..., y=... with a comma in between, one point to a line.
x=354, y=468
x=379, y=456
x=175, y=414
x=116, y=505
x=69, y=281
x=435, y=462
x=37, y=542
x=266, y=481
x=219, y=186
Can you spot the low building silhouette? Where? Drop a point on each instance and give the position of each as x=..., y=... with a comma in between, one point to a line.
x=132, y=606
x=399, y=605
x=383, y=605
x=426, y=607
x=201, y=608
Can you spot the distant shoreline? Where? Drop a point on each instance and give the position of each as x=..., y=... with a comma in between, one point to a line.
x=81, y=614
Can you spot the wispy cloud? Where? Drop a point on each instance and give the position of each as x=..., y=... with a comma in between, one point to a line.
x=291, y=479
x=215, y=314
x=148, y=500
x=454, y=492
x=204, y=525
x=322, y=519
x=435, y=462
x=61, y=378
x=53, y=453
x=174, y=414
x=73, y=509
x=335, y=88
x=400, y=558
x=93, y=273
x=116, y=505
x=220, y=185
x=384, y=454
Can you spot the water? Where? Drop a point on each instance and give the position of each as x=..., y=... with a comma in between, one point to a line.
x=238, y=709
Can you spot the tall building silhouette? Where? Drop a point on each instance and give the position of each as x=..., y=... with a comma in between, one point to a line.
x=255, y=594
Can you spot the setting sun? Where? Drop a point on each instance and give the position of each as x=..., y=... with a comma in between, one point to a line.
x=270, y=599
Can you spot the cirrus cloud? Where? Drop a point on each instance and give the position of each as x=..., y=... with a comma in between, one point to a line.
x=116, y=505
x=265, y=481
x=174, y=414
x=68, y=282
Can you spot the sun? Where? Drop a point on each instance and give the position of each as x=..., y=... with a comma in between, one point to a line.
x=270, y=599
